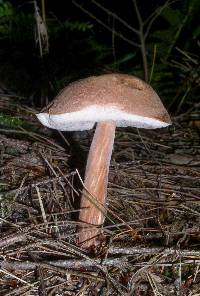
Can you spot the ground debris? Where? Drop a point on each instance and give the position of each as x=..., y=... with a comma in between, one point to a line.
x=152, y=228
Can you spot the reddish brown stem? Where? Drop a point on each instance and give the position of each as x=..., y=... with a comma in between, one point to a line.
x=96, y=180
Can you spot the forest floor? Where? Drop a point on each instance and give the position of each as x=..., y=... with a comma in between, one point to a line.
x=152, y=228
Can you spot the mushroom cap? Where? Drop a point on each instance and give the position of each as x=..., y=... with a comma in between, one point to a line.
x=120, y=98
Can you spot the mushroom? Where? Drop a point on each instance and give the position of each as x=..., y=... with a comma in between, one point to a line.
x=109, y=100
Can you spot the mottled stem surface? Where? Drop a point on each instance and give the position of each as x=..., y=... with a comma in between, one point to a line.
x=96, y=181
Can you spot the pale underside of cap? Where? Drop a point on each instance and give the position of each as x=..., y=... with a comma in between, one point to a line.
x=120, y=98
x=86, y=119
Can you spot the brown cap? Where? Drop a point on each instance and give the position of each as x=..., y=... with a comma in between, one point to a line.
x=122, y=98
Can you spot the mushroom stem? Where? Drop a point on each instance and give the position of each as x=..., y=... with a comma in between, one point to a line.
x=96, y=180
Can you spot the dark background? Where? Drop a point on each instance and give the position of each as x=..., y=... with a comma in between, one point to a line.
x=80, y=46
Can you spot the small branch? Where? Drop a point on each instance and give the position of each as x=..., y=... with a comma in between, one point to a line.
x=59, y=181
x=138, y=13
x=15, y=277
x=115, y=16
x=150, y=20
x=43, y=11
x=142, y=40
x=42, y=208
x=152, y=251
x=71, y=264
x=33, y=185
x=11, y=240
x=40, y=138
x=105, y=26
x=75, y=264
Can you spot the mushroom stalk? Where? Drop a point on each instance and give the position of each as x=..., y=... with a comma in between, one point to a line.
x=96, y=180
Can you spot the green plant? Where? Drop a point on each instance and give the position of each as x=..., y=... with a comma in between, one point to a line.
x=177, y=20
x=6, y=16
x=10, y=121
x=14, y=25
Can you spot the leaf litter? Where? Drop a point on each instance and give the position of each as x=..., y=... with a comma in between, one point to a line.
x=151, y=236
